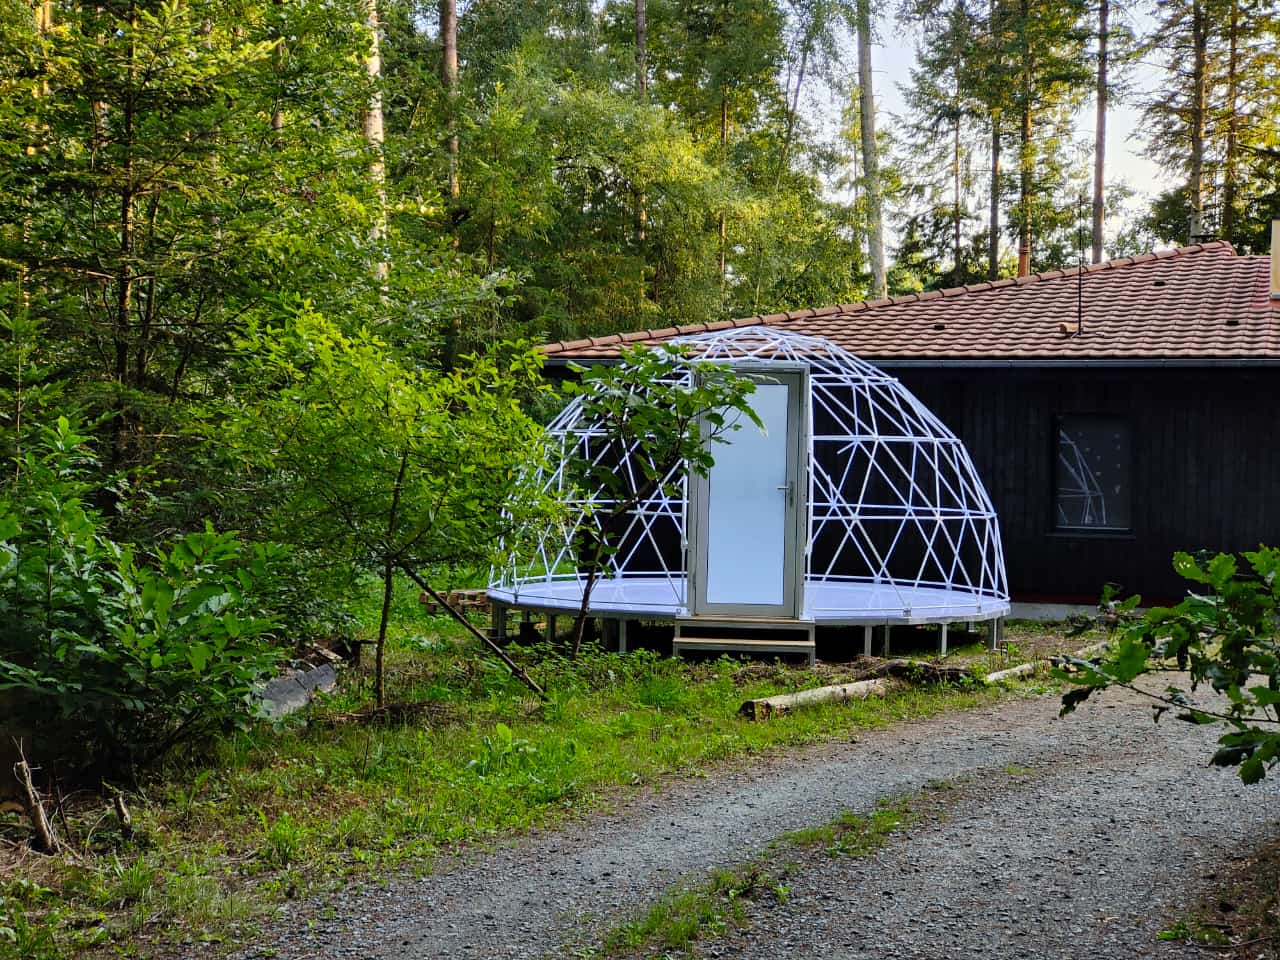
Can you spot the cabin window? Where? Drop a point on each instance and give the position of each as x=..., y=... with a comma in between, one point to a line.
x=1092, y=473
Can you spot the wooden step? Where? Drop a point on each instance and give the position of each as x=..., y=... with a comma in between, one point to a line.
x=706, y=620
x=738, y=645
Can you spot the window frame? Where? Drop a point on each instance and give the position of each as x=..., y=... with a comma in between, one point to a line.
x=1057, y=528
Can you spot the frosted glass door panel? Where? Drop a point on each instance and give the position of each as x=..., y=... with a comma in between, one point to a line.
x=747, y=508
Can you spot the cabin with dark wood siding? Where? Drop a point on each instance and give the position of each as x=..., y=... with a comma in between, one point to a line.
x=1116, y=413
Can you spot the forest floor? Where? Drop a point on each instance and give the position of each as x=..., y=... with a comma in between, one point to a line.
x=636, y=814
x=998, y=832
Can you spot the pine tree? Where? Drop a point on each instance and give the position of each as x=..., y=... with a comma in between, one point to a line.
x=1215, y=116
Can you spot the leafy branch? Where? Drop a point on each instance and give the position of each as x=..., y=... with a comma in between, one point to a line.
x=1223, y=634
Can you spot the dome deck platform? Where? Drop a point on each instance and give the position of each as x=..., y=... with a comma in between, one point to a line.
x=826, y=602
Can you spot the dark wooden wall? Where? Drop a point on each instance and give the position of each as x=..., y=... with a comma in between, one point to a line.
x=1206, y=467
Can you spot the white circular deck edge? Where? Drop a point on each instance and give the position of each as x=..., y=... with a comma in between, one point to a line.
x=825, y=602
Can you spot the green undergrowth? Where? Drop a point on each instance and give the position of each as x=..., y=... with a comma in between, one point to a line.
x=470, y=757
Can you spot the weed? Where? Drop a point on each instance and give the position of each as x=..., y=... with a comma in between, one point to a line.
x=499, y=751
x=1194, y=930
x=282, y=840
x=662, y=692
x=28, y=938
x=134, y=883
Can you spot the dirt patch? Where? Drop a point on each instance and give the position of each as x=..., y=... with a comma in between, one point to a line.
x=1240, y=915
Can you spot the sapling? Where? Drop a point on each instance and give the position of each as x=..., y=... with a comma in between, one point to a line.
x=654, y=419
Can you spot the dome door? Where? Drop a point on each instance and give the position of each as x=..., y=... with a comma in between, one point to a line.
x=746, y=514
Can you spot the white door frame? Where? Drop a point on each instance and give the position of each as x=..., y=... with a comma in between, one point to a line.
x=793, y=500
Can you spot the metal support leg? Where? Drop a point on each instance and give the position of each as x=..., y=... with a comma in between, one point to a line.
x=887, y=628
x=942, y=640
x=866, y=640
x=499, y=632
x=622, y=636
x=996, y=631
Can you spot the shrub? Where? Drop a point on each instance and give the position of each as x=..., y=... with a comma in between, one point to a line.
x=114, y=659
x=1225, y=634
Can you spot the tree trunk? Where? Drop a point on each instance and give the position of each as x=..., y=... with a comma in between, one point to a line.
x=43, y=24
x=642, y=94
x=1199, y=107
x=388, y=584
x=1025, y=158
x=870, y=159
x=1100, y=131
x=277, y=64
x=724, y=162
x=957, y=254
x=1230, y=160
x=449, y=80
x=993, y=241
x=1025, y=168
x=124, y=270
x=374, y=137
x=379, y=675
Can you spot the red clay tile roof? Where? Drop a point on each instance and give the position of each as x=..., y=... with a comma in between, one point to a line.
x=1201, y=302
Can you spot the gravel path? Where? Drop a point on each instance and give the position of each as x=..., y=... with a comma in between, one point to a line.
x=1117, y=825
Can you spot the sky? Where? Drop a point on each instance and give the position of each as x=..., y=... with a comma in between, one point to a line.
x=893, y=56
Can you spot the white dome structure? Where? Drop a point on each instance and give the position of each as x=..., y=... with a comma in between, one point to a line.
x=855, y=505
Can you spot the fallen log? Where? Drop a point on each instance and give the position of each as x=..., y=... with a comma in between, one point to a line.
x=1021, y=670
x=767, y=707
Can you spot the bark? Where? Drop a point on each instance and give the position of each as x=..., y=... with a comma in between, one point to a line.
x=955, y=186
x=1199, y=108
x=388, y=582
x=1025, y=158
x=1100, y=130
x=870, y=160
x=993, y=241
x=449, y=80
x=1230, y=158
x=784, y=703
x=724, y=159
x=123, y=817
x=277, y=115
x=642, y=93
x=124, y=278
x=373, y=134
x=46, y=841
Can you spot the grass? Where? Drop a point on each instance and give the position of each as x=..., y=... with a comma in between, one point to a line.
x=711, y=908
x=276, y=812
x=859, y=835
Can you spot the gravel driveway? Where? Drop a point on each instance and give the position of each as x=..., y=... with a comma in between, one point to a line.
x=1068, y=838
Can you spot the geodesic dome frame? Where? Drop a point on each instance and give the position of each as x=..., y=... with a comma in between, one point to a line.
x=899, y=526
